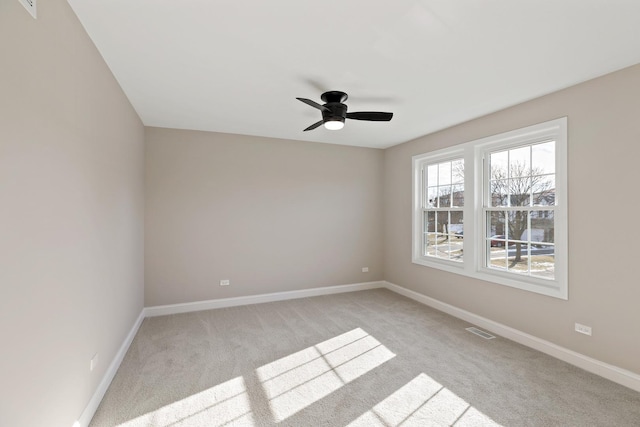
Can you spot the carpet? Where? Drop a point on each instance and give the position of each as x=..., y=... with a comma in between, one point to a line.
x=368, y=358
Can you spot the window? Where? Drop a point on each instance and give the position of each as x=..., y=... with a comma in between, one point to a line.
x=518, y=209
x=511, y=190
x=442, y=209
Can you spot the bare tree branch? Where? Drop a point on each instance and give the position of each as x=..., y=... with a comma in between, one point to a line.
x=520, y=186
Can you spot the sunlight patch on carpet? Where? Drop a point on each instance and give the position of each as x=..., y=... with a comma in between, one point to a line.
x=423, y=401
x=226, y=404
x=300, y=379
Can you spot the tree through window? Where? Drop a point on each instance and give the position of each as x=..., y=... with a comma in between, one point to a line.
x=520, y=208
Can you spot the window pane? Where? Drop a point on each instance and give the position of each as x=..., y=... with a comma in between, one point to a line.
x=544, y=190
x=542, y=226
x=518, y=258
x=543, y=261
x=441, y=246
x=498, y=241
x=543, y=158
x=432, y=175
x=457, y=171
x=442, y=224
x=534, y=260
x=438, y=241
x=430, y=244
x=518, y=170
x=520, y=161
x=444, y=173
x=518, y=225
x=430, y=224
x=496, y=224
x=499, y=192
x=497, y=258
x=456, y=228
x=457, y=196
x=455, y=250
x=519, y=189
x=499, y=164
x=444, y=199
x=432, y=197
x=448, y=247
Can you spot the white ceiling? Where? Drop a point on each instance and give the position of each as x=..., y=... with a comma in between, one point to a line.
x=236, y=66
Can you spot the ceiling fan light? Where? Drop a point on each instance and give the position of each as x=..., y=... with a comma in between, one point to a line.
x=334, y=124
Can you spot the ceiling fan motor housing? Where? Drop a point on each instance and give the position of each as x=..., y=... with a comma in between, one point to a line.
x=337, y=112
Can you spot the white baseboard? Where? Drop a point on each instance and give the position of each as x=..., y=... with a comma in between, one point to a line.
x=162, y=310
x=605, y=370
x=95, y=400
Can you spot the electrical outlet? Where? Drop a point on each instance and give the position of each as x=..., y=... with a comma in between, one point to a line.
x=93, y=362
x=225, y=282
x=583, y=329
x=365, y=269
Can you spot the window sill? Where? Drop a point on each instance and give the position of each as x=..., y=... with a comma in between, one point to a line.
x=546, y=287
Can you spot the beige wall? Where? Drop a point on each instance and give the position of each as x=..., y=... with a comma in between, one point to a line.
x=71, y=212
x=270, y=215
x=603, y=174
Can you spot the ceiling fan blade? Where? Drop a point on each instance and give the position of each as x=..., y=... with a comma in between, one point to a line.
x=315, y=125
x=374, y=116
x=313, y=104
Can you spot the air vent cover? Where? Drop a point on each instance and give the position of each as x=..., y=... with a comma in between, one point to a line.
x=480, y=333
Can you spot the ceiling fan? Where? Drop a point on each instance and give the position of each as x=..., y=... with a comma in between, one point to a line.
x=334, y=111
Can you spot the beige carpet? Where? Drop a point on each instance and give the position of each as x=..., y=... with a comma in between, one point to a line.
x=370, y=358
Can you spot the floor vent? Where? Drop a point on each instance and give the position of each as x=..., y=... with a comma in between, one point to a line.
x=480, y=333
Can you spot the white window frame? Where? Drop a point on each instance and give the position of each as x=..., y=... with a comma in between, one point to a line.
x=420, y=164
x=474, y=153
